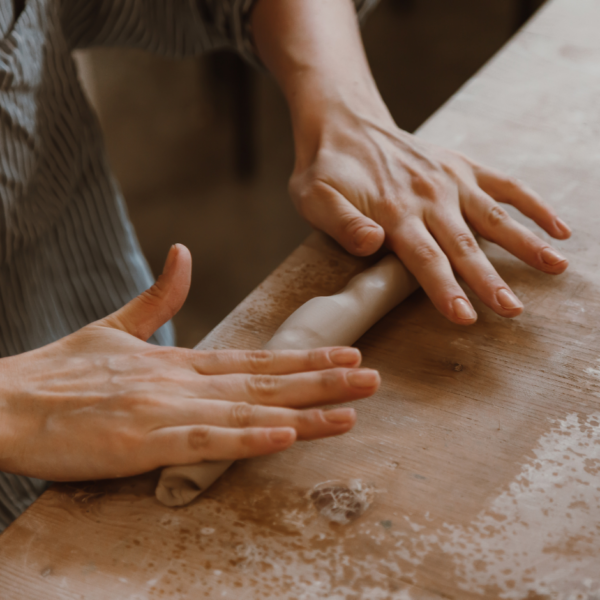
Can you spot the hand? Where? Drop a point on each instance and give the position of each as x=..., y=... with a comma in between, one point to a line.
x=366, y=183
x=104, y=403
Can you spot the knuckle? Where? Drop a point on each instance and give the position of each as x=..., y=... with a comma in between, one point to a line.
x=180, y=356
x=465, y=244
x=425, y=186
x=496, y=215
x=352, y=223
x=315, y=358
x=152, y=297
x=218, y=360
x=131, y=402
x=388, y=202
x=202, y=361
x=395, y=210
x=260, y=361
x=242, y=415
x=199, y=437
x=512, y=182
x=331, y=379
x=297, y=184
x=263, y=386
x=304, y=192
x=294, y=186
x=248, y=441
x=126, y=440
x=308, y=417
x=425, y=255
x=300, y=198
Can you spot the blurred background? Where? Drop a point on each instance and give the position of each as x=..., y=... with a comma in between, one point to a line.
x=202, y=148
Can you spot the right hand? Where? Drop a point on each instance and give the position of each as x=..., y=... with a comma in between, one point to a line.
x=104, y=403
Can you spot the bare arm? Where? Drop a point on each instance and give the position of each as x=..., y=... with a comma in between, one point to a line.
x=364, y=181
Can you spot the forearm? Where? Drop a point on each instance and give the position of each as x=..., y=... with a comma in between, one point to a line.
x=314, y=50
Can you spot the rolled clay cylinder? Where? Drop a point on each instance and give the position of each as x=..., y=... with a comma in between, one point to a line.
x=337, y=320
x=341, y=319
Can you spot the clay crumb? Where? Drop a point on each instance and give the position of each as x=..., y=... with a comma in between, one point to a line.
x=341, y=503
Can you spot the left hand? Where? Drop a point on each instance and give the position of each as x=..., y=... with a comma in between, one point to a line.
x=102, y=402
x=366, y=183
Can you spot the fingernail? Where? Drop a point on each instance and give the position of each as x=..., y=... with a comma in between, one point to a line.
x=281, y=436
x=339, y=416
x=170, y=258
x=551, y=257
x=506, y=299
x=463, y=310
x=363, y=378
x=344, y=356
x=562, y=226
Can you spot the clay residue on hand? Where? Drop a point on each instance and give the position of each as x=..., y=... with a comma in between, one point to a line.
x=341, y=503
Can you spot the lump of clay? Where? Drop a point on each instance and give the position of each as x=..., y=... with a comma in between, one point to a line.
x=341, y=319
x=180, y=485
x=337, y=320
x=341, y=503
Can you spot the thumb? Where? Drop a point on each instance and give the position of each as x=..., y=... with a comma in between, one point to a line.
x=143, y=315
x=331, y=212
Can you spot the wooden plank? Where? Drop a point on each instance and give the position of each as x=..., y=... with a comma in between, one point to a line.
x=482, y=448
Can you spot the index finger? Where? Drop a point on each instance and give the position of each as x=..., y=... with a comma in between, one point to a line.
x=273, y=362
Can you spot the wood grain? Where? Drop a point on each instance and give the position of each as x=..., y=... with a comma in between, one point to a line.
x=482, y=447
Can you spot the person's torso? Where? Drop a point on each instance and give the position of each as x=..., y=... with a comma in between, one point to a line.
x=47, y=130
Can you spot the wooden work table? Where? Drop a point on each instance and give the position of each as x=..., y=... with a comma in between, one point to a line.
x=481, y=450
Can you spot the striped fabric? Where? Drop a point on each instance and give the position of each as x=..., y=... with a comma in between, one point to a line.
x=68, y=253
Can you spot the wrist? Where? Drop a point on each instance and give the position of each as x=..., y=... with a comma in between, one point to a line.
x=17, y=416
x=314, y=50
x=320, y=105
